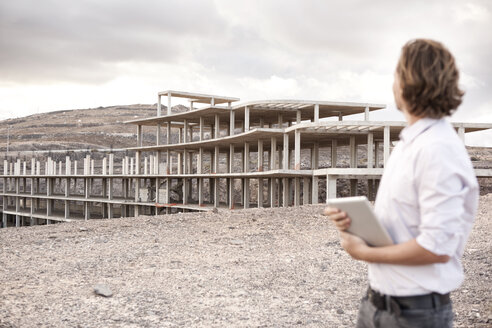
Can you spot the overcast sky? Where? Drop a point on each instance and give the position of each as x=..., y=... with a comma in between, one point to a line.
x=59, y=54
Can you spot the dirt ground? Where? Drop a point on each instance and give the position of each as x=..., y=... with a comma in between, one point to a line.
x=247, y=268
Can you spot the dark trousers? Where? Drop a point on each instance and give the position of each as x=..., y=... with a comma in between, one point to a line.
x=371, y=317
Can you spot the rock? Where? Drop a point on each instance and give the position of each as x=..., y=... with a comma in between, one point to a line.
x=236, y=242
x=215, y=210
x=340, y=311
x=103, y=290
x=83, y=229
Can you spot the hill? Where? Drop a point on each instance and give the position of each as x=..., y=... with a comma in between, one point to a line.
x=90, y=128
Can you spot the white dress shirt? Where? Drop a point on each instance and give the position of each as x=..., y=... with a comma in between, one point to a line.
x=429, y=192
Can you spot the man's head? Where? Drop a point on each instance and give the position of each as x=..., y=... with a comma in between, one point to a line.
x=426, y=80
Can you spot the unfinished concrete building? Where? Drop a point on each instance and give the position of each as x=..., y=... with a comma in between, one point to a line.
x=224, y=155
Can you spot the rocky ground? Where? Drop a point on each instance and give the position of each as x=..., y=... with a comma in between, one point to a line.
x=247, y=268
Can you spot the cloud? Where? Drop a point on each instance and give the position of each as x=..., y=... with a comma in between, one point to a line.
x=90, y=53
x=82, y=41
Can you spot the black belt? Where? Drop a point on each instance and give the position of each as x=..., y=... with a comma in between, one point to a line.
x=397, y=303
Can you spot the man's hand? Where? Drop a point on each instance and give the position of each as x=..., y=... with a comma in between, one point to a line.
x=353, y=245
x=339, y=218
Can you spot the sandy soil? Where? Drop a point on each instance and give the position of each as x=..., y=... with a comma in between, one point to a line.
x=258, y=267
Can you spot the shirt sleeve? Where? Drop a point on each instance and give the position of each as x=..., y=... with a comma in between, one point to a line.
x=441, y=183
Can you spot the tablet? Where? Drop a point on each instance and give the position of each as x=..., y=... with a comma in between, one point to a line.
x=364, y=222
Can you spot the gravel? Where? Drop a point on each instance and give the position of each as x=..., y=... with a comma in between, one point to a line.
x=258, y=267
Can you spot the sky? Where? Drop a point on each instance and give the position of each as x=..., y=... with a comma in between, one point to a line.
x=60, y=54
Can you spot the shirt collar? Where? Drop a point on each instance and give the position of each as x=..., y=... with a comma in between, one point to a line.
x=410, y=132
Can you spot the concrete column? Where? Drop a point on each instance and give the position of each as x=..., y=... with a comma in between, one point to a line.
x=168, y=162
x=260, y=192
x=180, y=163
x=217, y=126
x=285, y=160
x=139, y=136
x=315, y=156
x=305, y=191
x=353, y=163
x=216, y=192
x=298, y=116
x=185, y=191
x=186, y=156
x=273, y=153
x=353, y=152
x=297, y=150
x=285, y=192
x=200, y=191
x=366, y=114
x=297, y=191
x=216, y=159
x=231, y=158
x=272, y=192
x=246, y=157
x=370, y=150
x=169, y=103
x=461, y=133
x=199, y=161
x=331, y=187
x=105, y=166
x=316, y=113
x=201, y=127
x=158, y=135
x=260, y=155
x=334, y=158
x=168, y=132
x=168, y=191
x=159, y=105
x=376, y=154
x=314, y=190
x=246, y=118
x=232, y=122
x=386, y=144
x=246, y=192
x=231, y=193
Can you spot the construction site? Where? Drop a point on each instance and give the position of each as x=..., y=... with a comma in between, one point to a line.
x=219, y=154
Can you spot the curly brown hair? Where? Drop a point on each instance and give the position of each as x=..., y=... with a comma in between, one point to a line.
x=429, y=79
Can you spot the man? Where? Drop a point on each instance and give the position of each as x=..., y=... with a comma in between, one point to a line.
x=427, y=200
